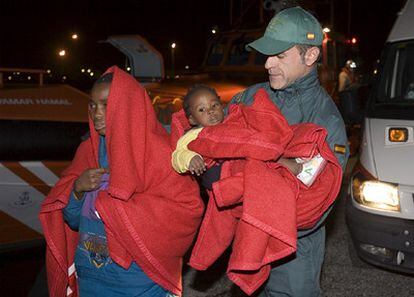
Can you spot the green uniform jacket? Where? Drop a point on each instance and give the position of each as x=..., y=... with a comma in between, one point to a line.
x=305, y=101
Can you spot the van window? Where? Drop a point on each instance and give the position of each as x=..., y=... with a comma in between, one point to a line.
x=396, y=84
x=40, y=140
x=393, y=90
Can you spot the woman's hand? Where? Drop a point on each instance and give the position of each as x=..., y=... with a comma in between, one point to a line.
x=291, y=164
x=89, y=180
x=197, y=165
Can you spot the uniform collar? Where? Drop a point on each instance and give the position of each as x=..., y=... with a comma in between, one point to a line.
x=300, y=86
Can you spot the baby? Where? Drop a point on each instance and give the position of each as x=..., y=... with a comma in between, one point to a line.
x=202, y=108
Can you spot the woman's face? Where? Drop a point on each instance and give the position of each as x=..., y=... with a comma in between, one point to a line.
x=97, y=106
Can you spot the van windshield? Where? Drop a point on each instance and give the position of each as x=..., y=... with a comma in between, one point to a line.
x=393, y=92
x=396, y=83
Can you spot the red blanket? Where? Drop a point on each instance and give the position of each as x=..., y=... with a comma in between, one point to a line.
x=150, y=212
x=259, y=205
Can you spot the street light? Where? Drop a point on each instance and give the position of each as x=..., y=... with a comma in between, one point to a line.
x=62, y=54
x=173, y=45
x=75, y=36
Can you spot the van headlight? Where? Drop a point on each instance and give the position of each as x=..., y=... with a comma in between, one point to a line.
x=375, y=194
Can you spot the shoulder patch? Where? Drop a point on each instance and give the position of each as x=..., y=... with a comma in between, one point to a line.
x=340, y=149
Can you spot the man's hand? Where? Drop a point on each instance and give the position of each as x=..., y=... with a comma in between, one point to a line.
x=89, y=180
x=197, y=165
x=291, y=164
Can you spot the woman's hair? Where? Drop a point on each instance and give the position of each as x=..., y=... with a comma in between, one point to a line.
x=104, y=79
x=190, y=93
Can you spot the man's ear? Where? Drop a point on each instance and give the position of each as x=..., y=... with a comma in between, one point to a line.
x=312, y=55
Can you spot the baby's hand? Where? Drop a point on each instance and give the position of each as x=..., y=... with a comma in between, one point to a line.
x=197, y=165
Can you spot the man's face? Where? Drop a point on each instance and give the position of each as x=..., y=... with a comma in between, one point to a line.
x=97, y=107
x=285, y=68
x=205, y=109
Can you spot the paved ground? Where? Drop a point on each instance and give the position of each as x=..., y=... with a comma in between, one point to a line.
x=340, y=277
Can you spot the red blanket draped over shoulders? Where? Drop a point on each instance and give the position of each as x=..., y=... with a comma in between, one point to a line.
x=150, y=213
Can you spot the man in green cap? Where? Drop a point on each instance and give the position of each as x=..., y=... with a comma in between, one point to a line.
x=292, y=42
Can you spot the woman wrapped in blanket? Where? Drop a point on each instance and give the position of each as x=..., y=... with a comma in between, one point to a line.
x=120, y=216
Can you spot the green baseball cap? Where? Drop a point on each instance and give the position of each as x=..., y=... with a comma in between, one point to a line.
x=289, y=27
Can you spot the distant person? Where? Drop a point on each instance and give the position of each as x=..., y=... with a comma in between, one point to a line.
x=292, y=42
x=347, y=77
x=348, y=93
x=120, y=218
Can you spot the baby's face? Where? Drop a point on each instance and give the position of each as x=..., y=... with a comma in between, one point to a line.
x=206, y=109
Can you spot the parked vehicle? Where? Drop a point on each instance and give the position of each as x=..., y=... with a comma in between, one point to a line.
x=227, y=67
x=380, y=202
x=40, y=128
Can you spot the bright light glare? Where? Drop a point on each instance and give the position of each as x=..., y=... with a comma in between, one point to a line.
x=83, y=70
x=62, y=53
x=326, y=30
x=173, y=45
x=128, y=68
x=383, y=195
x=74, y=36
x=48, y=71
x=213, y=31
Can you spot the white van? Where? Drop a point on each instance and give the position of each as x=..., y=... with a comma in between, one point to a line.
x=380, y=204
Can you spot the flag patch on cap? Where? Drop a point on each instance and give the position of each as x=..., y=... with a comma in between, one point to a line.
x=310, y=36
x=340, y=149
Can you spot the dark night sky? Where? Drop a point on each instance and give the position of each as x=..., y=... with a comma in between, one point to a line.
x=32, y=31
